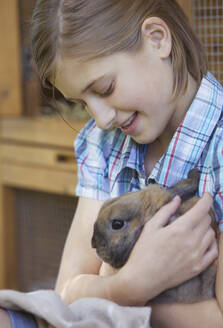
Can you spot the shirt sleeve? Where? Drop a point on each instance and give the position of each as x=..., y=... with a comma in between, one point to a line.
x=92, y=152
x=217, y=175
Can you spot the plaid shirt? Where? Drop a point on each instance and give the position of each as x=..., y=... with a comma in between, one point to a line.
x=111, y=163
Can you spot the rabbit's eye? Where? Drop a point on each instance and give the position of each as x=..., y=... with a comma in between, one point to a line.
x=117, y=224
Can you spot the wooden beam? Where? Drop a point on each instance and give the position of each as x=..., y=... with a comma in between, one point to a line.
x=10, y=239
x=51, y=158
x=2, y=237
x=10, y=65
x=40, y=179
x=47, y=132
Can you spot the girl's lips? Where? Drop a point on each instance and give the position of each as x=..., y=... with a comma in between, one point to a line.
x=131, y=127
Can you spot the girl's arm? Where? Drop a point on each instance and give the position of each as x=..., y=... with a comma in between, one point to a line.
x=143, y=277
x=78, y=255
x=80, y=266
x=199, y=315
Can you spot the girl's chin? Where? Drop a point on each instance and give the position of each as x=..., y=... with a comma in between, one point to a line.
x=142, y=139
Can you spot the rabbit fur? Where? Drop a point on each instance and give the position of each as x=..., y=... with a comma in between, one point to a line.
x=121, y=220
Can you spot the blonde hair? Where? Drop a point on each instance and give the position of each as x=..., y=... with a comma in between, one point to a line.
x=89, y=29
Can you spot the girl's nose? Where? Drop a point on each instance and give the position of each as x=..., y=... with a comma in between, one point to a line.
x=103, y=114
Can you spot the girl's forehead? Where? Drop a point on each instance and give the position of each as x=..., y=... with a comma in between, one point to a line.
x=70, y=75
x=75, y=74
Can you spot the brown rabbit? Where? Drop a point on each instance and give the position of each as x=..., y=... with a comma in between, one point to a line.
x=120, y=222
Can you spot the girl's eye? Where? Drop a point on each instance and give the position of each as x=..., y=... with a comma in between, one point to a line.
x=109, y=91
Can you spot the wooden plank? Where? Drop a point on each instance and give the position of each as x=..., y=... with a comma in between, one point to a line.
x=31, y=83
x=40, y=179
x=10, y=74
x=36, y=156
x=9, y=239
x=2, y=236
x=42, y=131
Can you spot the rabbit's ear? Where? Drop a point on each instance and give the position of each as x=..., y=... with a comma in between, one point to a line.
x=186, y=188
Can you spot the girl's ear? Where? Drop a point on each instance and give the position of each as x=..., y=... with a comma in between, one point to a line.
x=156, y=33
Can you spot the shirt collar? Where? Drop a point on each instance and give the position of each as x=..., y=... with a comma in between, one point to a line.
x=131, y=156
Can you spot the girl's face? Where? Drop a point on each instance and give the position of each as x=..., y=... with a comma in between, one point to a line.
x=131, y=91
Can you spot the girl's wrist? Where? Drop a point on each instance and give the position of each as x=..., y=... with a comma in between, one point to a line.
x=124, y=290
x=135, y=290
x=119, y=290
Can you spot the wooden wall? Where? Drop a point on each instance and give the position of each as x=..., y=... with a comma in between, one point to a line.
x=10, y=68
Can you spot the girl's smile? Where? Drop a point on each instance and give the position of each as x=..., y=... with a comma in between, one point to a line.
x=129, y=126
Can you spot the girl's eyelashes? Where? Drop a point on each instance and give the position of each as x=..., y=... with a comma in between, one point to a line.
x=100, y=92
x=108, y=91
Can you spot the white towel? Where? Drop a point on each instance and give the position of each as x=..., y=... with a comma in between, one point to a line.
x=51, y=311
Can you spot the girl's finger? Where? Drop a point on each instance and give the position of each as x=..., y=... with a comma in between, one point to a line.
x=203, y=226
x=196, y=214
x=210, y=255
x=208, y=241
x=162, y=217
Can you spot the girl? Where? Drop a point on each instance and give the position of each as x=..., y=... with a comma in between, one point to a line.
x=156, y=113
x=141, y=73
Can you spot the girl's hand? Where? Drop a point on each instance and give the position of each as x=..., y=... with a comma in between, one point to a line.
x=167, y=255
